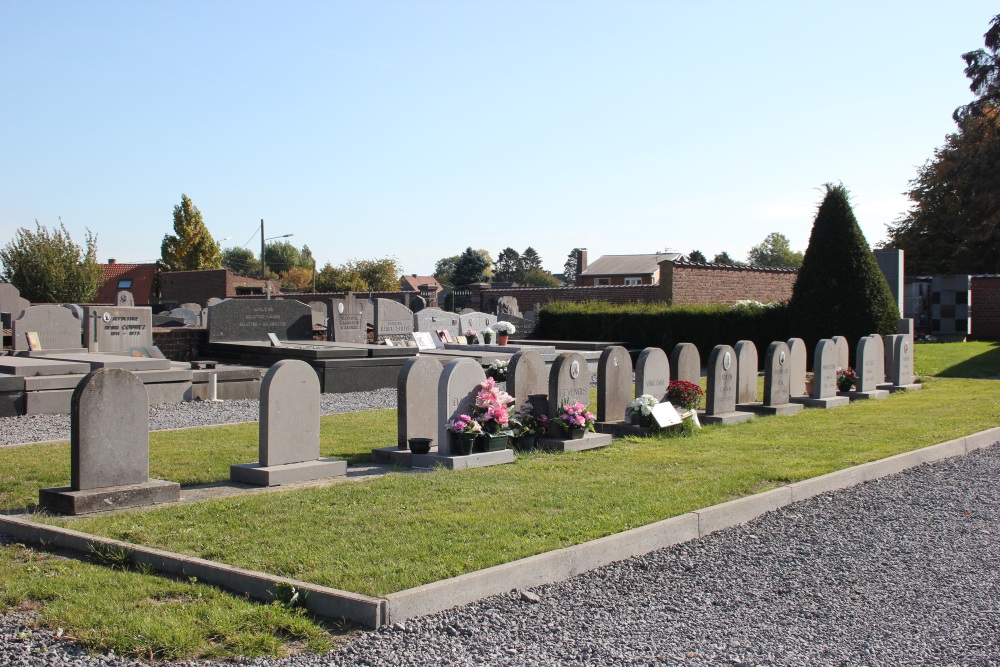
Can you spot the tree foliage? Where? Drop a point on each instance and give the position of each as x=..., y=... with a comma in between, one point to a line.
x=379, y=275
x=775, y=250
x=473, y=266
x=241, y=262
x=539, y=278
x=444, y=269
x=724, y=258
x=571, y=268
x=191, y=246
x=696, y=256
x=280, y=256
x=840, y=290
x=339, y=279
x=530, y=259
x=953, y=225
x=507, y=268
x=297, y=279
x=48, y=267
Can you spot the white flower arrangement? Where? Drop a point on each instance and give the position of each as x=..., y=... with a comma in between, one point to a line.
x=641, y=406
x=499, y=365
x=504, y=328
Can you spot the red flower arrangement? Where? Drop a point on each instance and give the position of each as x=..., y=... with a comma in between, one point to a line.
x=685, y=394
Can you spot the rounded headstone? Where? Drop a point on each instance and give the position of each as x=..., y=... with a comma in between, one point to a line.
x=614, y=383
x=652, y=373
x=417, y=399
x=869, y=360
x=797, y=369
x=746, y=373
x=878, y=347
x=527, y=374
x=776, y=374
x=457, y=389
x=289, y=414
x=569, y=381
x=843, y=352
x=685, y=363
x=720, y=397
x=825, y=365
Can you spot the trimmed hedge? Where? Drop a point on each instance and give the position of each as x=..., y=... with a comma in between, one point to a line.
x=641, y=325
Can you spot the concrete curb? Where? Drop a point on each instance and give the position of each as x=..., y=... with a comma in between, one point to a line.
x=537, y=570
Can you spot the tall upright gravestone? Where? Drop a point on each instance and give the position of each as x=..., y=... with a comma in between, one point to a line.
x=109, y=449
x=417, y=400
x=457, y=389
x=826, y=361
x=903, y=375
x=869, y=361
x=777, y=367
x=435, y=319
x=685, y=363
x=720, y=399
x=392, y=319
x=746, y=371
x=652, y=374
x=346, y=320
x=843, y=352
x=614, y=384
x=569, y=382
x=877, y=347
x=288, y=444
x=253, y=319
x=527, y=375
x=117, y=329
x=797, y=363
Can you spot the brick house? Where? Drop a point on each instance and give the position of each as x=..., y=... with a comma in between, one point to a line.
x=426, y=286
x=177, y=287
x=629, y=270
x=139, y=279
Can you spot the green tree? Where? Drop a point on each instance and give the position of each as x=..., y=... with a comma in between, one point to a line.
x=775, y=250
x=570, y=268
x=508, y=267
x=472, y=267
x=539, y=278
x=696, y=256
x=297, y=279
x=379, y=275
x=339, y=279
x=241, y=262
x=724, y=258
x=530, y=259
x=982, y=67
x=444, y=269
x=191, y=247
x=280, y=256
x=840, y=290
x=48, y=267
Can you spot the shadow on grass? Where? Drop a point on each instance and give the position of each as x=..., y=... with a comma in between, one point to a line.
x=983, y=365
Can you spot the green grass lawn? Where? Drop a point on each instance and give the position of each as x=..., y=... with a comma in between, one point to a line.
x=402, y=530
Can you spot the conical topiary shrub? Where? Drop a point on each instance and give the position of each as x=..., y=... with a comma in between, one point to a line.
x=840, y=290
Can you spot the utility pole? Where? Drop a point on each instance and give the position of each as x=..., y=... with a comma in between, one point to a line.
x=263, y=272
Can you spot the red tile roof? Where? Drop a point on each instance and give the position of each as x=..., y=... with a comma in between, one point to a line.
x=413, y=283
x=141, y=275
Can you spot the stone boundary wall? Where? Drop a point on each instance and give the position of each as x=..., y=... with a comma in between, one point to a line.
x=985, y=297
x=684, y=283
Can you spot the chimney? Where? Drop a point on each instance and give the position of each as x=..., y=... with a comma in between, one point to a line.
x=414, y=275
x=111, y=260
x=581, y=263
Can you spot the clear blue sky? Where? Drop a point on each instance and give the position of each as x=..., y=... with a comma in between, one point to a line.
x=415, y=129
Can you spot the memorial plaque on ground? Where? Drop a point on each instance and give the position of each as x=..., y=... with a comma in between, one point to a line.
x=685, y=363
x=797, y=356
x=117, y=329
x=253, y=319
x=392, y=319
x=652, y=373
x=527, y=374
x=614, y=384
x=476, y=321
x=348, y=323
x=746, y=371
x=57, y=327
x=435, y=319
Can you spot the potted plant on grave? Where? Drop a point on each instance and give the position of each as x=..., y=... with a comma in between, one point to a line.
x=684, y=394
x=846, y=378
x=464, y=431
x=498, y=370
x=504, y=330
x=492, y=411
x=470, y=336
x=640, y=411
x=527, y=427
x=487, y=335
x=574, y=420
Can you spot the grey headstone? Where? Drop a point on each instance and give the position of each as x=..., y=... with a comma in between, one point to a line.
x=905, y=326
x=889, y=347
x=825, y=365
x=746, y=374
x=843, y=352
x=903, y=359
x=289, y=414
x=685, y=363
x=457, y=391
x=776, y=374
x=417, y=400
x=798, y=361
x=125, y=299
x=253, y=319
x=527, y=374
x=652, y=373
x=11, y=301
x=115, y=329
x=614, y=384
x=891, y=263
x=214, y=300
x=878, y=347
x=507, y=305
x=58, y=328
x=476, y=321
x=167, y=321
x=318, y=313
x=417, y=303
x=869, y=360
x=569, y=382
x=193, y=307
x=392, y=319
x=348, y=323
x=186, y=315
x=720, y=397
x=109, y=432
x=433, y=319
x=76, y=309
x=524, y=327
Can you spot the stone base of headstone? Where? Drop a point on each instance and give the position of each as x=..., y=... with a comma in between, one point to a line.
x=737, y=417
x=63, y=500
x=622, y=429
x=905, y=387
x=396, y=456
x=289, y=473
x=828, y=402
x=783, y=409
x=475, y=460
x=588, y=441
x=865, y=395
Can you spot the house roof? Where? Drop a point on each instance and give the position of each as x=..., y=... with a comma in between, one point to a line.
x=412, y=283
x=141, y=275
x=633, y=265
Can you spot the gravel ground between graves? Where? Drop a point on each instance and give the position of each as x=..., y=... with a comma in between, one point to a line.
x=900, y=571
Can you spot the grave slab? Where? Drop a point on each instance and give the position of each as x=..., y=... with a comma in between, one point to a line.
x=120, y=361
x=40, y=366
x=474, y=460
x=253, y=319
x=288, y=473
x=866, y=395
x=64, y=500
x=588, y=441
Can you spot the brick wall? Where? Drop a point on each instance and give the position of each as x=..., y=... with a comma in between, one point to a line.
x=985, y=307
x=181, y=343
x=698, y=283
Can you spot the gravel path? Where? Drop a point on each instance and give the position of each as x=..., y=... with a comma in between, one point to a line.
x=901, y=571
